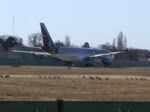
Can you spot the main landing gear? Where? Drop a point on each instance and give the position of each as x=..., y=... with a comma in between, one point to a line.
x=68, y=64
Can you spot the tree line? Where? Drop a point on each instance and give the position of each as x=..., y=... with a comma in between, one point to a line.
x=118, y=44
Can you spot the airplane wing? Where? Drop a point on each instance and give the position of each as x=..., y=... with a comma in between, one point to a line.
x=32, y=52
x=106, y=54
x=32, y=47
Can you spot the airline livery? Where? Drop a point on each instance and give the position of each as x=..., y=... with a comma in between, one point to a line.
x=71, y=55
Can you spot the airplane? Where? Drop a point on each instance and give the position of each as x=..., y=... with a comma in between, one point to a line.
x=70, y=55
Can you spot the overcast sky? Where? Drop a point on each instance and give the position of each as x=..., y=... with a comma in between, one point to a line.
x=94, y=21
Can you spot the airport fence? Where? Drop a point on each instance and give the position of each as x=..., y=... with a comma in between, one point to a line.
x=73, y=106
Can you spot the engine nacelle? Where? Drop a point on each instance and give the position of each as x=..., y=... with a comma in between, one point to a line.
x=107, y=60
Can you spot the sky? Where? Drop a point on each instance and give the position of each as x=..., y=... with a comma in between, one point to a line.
x=93, y=21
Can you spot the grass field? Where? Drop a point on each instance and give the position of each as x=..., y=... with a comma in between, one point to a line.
x=82, y=88
x=76, y=71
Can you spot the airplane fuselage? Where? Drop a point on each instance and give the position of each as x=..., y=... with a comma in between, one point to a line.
x=78, y=54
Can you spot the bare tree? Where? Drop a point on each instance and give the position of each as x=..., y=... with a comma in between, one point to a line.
x=59, y=44
x=125, y=42
x=10, y=41
x=114, y=44
x=86, y=45
x=35, y=40
x=4, y=37
x=121, y=41
x=120, y=45
x=107, y=45
x=19, y=40
x=67, y=41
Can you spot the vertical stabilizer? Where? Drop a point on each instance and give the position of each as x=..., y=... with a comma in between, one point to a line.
x=47, y=40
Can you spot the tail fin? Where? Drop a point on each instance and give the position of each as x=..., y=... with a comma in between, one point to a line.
x=47, y=40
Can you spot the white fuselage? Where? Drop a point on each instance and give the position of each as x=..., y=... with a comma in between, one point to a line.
x=79, y=54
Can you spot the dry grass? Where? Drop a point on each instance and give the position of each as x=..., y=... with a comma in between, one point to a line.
x=83, y=89
x=76, y=71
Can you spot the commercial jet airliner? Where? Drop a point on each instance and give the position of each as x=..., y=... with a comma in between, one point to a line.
x=71, y=55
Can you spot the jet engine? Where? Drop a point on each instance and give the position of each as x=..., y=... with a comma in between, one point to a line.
x=107, y=60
